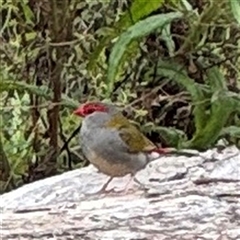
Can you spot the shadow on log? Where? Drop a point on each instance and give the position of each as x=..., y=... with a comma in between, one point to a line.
x=184, y=198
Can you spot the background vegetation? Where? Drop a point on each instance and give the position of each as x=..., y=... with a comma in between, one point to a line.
x=173, y=66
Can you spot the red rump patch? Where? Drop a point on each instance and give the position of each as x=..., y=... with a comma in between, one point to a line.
x=162, y=150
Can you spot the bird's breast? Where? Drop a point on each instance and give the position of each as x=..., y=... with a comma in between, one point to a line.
x=104, y=149
x=109, y=166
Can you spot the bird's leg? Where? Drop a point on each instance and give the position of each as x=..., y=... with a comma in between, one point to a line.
x=126, y=188
x=139, y=183
x=103, y=189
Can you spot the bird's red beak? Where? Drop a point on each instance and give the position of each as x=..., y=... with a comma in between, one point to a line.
x=79, y=112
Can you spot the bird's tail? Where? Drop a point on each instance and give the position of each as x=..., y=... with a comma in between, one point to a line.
x=160, y=152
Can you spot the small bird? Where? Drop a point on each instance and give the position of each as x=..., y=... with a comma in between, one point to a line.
x=111, y=143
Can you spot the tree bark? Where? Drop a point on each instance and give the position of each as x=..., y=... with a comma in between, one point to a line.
x=179, y=198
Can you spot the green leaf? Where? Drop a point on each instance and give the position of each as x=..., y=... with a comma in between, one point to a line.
x=223, y=103
x=216, y=79
x=221, y=108
x=167, y=37
x=29, y=16
x=186, y=5
x=198, y=94
x=92, y=64
x=171, y=136
x=140, y=29
x=235, y=6
x=30, y=36
x=232, y=131
x=138, y=10
x=43, y=91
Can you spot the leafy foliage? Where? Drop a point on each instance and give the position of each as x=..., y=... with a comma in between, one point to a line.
x=173, y=66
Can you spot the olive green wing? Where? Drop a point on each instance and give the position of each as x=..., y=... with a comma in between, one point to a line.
x=133, y=138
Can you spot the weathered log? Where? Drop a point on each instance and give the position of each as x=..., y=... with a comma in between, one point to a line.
x=183, y=198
